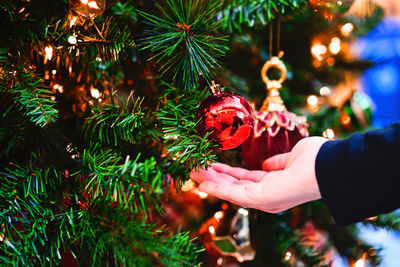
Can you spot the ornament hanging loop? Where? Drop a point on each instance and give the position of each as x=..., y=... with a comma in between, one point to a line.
x=274, y=62
x=274, y=102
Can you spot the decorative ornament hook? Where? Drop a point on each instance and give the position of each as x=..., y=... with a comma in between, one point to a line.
x=274, y=62
x=215, y=88
x=274, y=102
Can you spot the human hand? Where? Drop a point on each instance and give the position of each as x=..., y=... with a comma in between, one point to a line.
x=287, y=180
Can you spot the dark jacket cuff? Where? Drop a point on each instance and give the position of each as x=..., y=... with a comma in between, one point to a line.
x=359, y=177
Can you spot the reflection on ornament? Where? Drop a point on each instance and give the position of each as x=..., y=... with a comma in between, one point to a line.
x=86, y=8
x=276, y=130
x=318, y=50
x=329, y=134
x=346, y=29
x=334, y=46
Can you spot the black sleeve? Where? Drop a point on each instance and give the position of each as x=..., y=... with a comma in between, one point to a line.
x=359, y=177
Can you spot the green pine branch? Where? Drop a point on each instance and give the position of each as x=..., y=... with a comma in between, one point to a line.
x=183, y=143
x=125, y=10
x=103, y=39
x=112, y=237
x=114, y=122
x=33, y=233
x=390, y=221
x=30, y=95
x=136, y=186
x=250, y=13
x=183, y=42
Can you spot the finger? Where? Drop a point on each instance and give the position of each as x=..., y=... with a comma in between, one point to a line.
x=230, y=192
x=275, y=163
x=239, y=173
x=243, y=193
x=210, y=174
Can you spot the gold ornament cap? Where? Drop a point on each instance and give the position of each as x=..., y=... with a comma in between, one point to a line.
x=273, y=102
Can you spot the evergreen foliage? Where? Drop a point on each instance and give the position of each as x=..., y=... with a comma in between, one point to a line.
x=181, y=41
x=84, y=175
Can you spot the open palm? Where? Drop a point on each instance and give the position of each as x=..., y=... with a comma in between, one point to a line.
x=286, y=181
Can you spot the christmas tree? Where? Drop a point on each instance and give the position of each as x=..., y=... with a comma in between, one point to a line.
x=98, y=128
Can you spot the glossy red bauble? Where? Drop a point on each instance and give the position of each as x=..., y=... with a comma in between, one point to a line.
x=274, y=132
x=228, y=118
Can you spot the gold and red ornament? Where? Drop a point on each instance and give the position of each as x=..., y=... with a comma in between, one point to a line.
x=275, y=130
x=226, y=116
x=88, y=8
x=227, y=238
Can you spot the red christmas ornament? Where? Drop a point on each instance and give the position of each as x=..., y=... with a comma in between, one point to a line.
x=275, y=130
x=227, y=116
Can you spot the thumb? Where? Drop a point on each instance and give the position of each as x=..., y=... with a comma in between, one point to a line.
x=276, y=163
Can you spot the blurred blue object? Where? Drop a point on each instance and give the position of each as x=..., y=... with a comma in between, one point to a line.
x=382, y=82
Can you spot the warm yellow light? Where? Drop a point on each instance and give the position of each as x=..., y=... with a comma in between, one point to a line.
x=211, y=229
x=288, y=255
x=218, y=215
x=329, y=133
x=49, y=52
x=58, y=87
x=312, y=100
x=339, y=3
x=360, y=263
x=187, y=186
x=345, y=119
x=203, y=194
x=347, y=29
x=95, y=93
x=72, y=40
x=200, y=194
x=334, y=46
x=73, y=21
x=243, y=211
x=54, y=72
x=318, y=50
x=93, y=4
x=325, y=91
x=84, y=1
